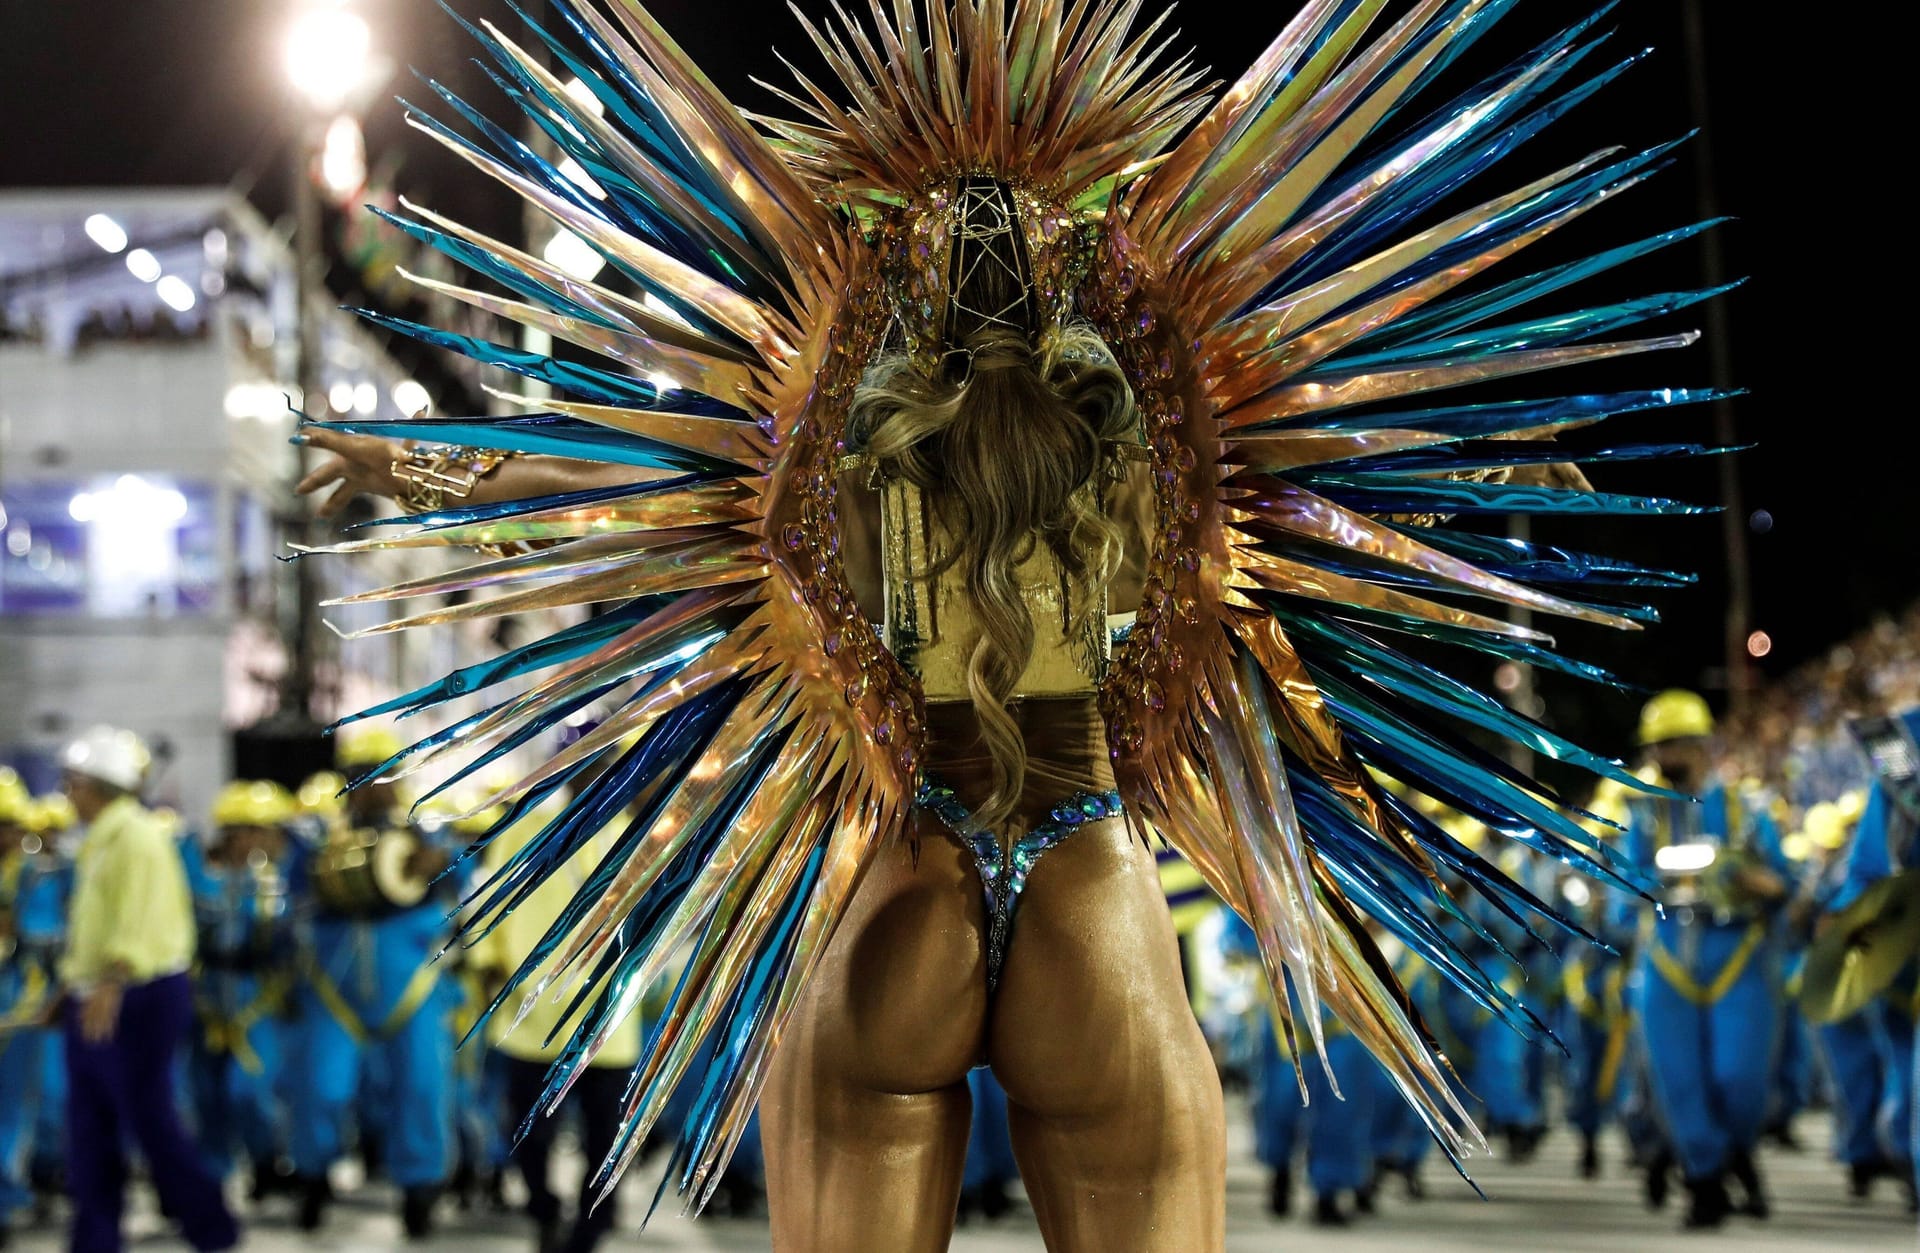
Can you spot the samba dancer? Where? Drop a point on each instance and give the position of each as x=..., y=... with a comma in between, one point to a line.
x=1033, y=343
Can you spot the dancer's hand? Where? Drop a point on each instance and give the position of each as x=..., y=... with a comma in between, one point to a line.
x=360, y=464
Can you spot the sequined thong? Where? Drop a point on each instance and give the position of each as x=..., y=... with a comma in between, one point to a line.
x=1003, y=872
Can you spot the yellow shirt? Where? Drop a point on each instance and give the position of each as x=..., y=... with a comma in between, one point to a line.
x=522, y=930
x=131, y=906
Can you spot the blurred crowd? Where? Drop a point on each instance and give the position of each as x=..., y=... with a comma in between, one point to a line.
x=1794, y=733
x=255, y=997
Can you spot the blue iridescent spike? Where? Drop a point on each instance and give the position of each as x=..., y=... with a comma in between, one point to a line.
x=567, y=377
x=1550, y=332
x=1449, y=316
x=1377, y=494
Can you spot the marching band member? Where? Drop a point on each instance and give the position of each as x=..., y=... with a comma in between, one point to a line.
x=1708, y=993
x=368, y=992
x=26, y=981
x=240, y=905
x=1884, y=844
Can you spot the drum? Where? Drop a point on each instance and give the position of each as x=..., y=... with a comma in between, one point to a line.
x=364, y=873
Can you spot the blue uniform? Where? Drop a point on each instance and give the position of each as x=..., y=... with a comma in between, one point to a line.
x=1594, y=1026
x=1399, y=1136
x=1338, y=1132
x=370, y=988
x=235, y=1064
x=1884, y=843
x=33, y=892
x=1708, y=991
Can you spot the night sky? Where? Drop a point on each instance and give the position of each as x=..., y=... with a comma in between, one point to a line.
x=191, y=92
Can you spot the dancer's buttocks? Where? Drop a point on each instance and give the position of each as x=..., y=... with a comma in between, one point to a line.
x=914, y=964
x=1111, y=1091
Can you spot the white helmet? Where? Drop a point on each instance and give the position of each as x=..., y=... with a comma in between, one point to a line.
x=115, y=757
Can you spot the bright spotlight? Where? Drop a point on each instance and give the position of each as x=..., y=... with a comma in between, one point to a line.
x=328, y=56
x=343, y=158
x=106, y=232
x=340, y=397
x=1684, y=858
x=1759, y=644
x=143, y=265
x=366, y=398
x=411, y=398
x=175, y=293
x=574, y=255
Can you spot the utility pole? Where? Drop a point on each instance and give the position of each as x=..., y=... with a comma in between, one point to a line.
x=1719, y=329
x=302, y=625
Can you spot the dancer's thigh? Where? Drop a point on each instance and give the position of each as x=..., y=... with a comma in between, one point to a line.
x=1113, y=1099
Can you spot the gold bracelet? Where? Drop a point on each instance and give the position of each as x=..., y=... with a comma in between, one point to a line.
x=434, y=472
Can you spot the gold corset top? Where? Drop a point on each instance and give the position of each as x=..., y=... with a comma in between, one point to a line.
x=929, y=621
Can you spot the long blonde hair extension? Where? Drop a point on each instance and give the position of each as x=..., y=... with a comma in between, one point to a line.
x=1007, y=457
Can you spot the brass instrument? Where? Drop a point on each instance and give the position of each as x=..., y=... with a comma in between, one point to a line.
x=363, y=872
x=1709, y=877
x=1862, y=949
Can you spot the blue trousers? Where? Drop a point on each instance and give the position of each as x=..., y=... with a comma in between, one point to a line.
x=1501, y=1079
x=1397, y=1135
x=236, y=1091
x=1913, y=1119
x=1793, y=1074
x=1894, y=1124
x=1854, y=1060
x=990, y=1144
x=370, y=965
x=1586, y=1041
x=1711, y=1066
x=23, y=1067
x=1589, y=1030
x=1278, y=1115
x=124, y=1089
x=1340, y=1131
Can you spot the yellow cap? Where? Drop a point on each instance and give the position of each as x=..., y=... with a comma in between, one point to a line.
x=14, y=797
x=1797, y=846
x=363, y=746
x=253, y=803
x=52, y=814
x=1827, y=824
x=1675, y=715
x=320, y=794
x=1852, y=803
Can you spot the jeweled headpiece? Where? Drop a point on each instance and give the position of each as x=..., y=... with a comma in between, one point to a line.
x=946, y=240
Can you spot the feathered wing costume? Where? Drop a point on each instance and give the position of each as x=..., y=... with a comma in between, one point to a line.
x=1285, y=273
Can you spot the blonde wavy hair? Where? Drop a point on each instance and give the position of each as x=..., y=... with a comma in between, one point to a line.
x=1007, y=457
